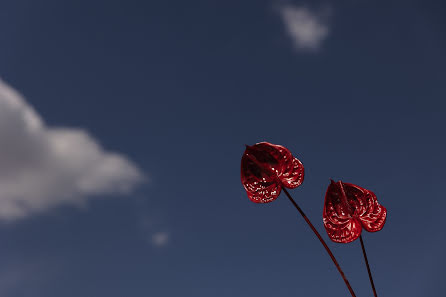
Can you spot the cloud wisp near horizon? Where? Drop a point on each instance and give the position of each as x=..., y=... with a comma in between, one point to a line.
x=44, y=167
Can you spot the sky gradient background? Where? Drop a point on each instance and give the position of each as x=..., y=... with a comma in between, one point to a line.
x=355, y=89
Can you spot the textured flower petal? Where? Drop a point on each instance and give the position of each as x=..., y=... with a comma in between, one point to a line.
x=374, y=218
x=343, y=232
x=289, y=169
x=264, y=193
x=337, y=216
x=366, y=207
x=259, y=173
x=293, y=174
x=348, y=208
x=266, y=168
x=261, y=186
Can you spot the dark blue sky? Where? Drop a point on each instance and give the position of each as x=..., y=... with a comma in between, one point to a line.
x=179, y=87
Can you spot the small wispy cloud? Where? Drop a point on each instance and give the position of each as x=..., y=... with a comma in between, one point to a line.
x=19, y=276
x=43, y=167
x=307, y=29
x=160, y=239
x=154, y=227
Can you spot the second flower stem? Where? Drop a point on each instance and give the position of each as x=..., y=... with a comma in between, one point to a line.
x=321, y=240
x=368, y=267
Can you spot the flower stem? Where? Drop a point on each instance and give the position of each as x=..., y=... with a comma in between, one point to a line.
x=321, y=240
x=368, y=267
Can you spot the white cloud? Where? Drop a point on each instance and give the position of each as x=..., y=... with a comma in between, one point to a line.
x=306, y=29
x=160, y=239
x=43, y=167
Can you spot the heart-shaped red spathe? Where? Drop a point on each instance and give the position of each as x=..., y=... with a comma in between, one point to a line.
x=348, y=208
x=266, y=168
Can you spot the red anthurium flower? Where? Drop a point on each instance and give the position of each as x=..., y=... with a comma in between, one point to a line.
x=266, y=168
x=349, y=208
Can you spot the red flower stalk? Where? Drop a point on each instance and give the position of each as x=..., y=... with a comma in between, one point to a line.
x=266, y=169
x=348, y=209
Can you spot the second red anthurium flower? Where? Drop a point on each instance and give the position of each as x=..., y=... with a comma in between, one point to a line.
x=348, y=208
x=266, y=168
